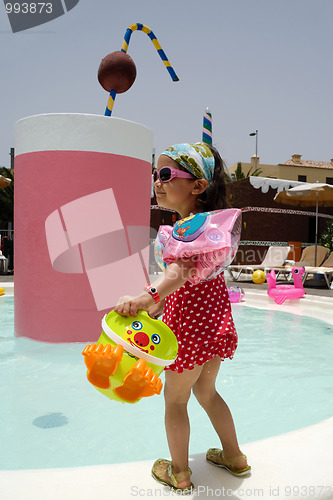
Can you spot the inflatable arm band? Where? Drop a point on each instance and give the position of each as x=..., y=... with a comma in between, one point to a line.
x=211, y=237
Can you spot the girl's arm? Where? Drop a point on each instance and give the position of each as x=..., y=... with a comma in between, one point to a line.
x=175, y=275
x=157, y=310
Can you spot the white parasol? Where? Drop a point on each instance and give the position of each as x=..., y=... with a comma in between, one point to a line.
x=308, y=195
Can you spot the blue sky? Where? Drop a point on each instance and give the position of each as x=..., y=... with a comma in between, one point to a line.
x=259, y=64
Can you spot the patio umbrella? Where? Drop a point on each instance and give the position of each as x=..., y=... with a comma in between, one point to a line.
x=308, y=195
x=4, y=181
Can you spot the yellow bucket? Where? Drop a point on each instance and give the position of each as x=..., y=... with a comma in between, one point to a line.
x=129, y=356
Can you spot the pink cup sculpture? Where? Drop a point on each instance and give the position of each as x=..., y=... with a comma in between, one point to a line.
x=82, y=217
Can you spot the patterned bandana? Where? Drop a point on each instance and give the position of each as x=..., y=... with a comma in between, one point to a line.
x=196, y=158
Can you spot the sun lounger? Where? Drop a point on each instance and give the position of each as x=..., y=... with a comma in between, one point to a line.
x=308, y=259
x=308, y=256
x=3, y=264
x=274, y=259
x=3, y=261
x=326, y=270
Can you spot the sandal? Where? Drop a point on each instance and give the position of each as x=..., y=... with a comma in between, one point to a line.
x=216, y=457
x=163, y=472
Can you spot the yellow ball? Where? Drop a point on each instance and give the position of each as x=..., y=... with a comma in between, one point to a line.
x=2, y=291
x=258, y=277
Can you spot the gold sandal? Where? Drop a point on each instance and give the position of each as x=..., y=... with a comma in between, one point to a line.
x=162, y=471
x=216, y=457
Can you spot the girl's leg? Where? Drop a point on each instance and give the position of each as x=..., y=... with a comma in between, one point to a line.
x=218, y=411
x=177, y=392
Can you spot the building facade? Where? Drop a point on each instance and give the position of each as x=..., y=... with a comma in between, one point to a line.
x=294, y=169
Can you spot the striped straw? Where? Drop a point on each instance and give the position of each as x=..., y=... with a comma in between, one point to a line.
x=124, y=47
x=207, y=136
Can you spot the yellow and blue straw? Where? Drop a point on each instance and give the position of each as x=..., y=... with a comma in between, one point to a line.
x=148, y=31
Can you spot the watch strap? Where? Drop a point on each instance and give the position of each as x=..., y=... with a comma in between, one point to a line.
x=153, y=292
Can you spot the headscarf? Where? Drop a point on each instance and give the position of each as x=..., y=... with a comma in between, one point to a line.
x=196, y=158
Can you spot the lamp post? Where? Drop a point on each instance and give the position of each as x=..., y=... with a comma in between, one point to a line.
x=256, y=134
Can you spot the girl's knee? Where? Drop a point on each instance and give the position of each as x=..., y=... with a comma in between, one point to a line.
x=177, y=388
x=204, y=396
x=173, y=396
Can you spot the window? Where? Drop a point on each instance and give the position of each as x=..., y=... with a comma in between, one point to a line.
x=302, y=178
x=329, y=180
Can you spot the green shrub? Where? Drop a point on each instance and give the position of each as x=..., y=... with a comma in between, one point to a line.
x=326, y=237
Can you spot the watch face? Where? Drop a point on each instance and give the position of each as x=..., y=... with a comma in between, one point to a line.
x=153, y=289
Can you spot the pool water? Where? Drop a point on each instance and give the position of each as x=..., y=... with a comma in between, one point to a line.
x=279, y=380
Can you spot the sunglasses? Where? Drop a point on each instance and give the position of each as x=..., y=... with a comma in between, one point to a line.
x=166, y=174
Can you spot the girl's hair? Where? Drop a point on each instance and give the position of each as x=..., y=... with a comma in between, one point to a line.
x=215, y=197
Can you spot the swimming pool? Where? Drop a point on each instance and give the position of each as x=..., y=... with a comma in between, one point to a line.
x=278, y=381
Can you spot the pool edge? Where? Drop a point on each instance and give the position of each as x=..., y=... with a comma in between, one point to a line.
x=289, y=462
x=9, y=288
x=310, y=305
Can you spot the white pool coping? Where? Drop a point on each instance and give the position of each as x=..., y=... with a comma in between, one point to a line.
x=296, y=465
x=314, y=306
x=8, y=286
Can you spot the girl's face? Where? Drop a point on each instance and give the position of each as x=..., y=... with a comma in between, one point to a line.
x=179, y=194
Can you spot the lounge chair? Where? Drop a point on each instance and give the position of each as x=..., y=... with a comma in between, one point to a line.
x=308, y=256
x=3, y=261
x=274, y=259
x=326, y=270
x=3, y=264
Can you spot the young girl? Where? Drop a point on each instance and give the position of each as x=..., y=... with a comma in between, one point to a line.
x=190, y=180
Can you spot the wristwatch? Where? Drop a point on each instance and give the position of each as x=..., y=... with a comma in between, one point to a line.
x=153, y=292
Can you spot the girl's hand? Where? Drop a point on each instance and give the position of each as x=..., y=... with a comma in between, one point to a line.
x=175, y=275
x=129, y=306
x=156, y=310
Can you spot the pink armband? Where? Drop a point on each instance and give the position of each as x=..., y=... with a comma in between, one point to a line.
x=210, y=238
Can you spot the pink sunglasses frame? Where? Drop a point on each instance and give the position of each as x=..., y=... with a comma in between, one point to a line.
x=174, y=173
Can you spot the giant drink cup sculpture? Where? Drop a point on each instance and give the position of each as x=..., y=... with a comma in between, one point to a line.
x=117, y=71
x=82, y=212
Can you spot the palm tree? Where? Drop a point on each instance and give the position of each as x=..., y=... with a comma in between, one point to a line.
x=326, y=238
x=239, y=174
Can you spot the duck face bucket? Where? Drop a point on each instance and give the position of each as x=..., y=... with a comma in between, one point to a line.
x=129, y=356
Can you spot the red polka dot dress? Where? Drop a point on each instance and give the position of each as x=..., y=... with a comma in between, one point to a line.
x=200, y=317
